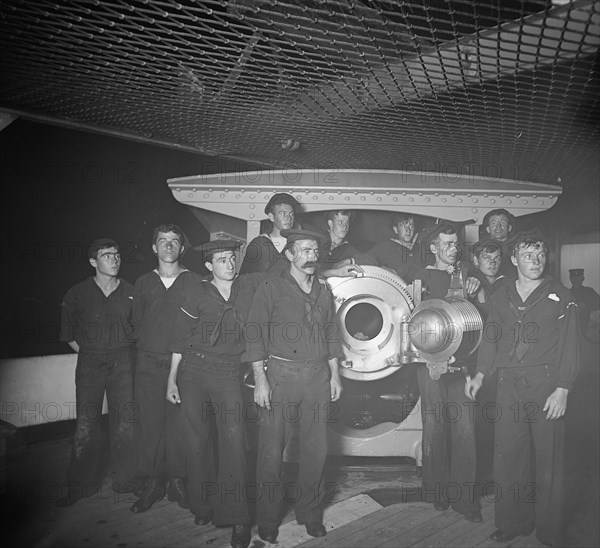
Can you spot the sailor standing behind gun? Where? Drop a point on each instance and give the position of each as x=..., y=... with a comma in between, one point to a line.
x=401, y=253
x=266, y=251
x=449, y=459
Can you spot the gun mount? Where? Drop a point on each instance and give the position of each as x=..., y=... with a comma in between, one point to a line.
x=385, y=328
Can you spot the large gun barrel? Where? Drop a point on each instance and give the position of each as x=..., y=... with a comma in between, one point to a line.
x=384, y=325
x=371, y=310
x=443, y=330
x=385, y=329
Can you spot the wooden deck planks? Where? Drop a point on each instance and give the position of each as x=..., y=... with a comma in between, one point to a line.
x=104, y=523
x=443, y=534
x=342, y=536
x=291, y=534
x=352, y=517
x=416, y=530
x=357, y=521
x=392, y=527
x=418, y=525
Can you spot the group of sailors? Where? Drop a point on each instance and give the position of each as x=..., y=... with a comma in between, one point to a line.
x=168, y=352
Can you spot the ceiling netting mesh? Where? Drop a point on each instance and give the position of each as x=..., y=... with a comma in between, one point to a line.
x=505, y=89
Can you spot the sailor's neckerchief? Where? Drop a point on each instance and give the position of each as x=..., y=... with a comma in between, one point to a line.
x=310, y=299
x=229, y=307
x=520, y=344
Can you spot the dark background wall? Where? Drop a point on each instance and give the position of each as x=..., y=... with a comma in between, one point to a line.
x=63, y=188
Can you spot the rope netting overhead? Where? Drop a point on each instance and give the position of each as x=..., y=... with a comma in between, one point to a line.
x=500, y=88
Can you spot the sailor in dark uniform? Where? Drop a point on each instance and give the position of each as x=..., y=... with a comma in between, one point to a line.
x=499, y=225
x=531, y=341
x=160, y=436
x=205, y=378
x=337, y=254
x=400, y=253
x=295, y=335
x=265, y=250
x=97, y=323
x=586, y=298
x=487, y=256
x=449, y=454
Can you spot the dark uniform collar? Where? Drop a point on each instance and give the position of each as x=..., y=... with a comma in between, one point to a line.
x=533, y=296
x=315, y=287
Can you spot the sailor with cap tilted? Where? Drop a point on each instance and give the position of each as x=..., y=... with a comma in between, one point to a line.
x=205, y=378
x=265, y=250
x=400, y=253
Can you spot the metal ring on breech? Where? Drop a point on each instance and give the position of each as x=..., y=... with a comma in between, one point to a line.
x=443, y=330
x=370, y=311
